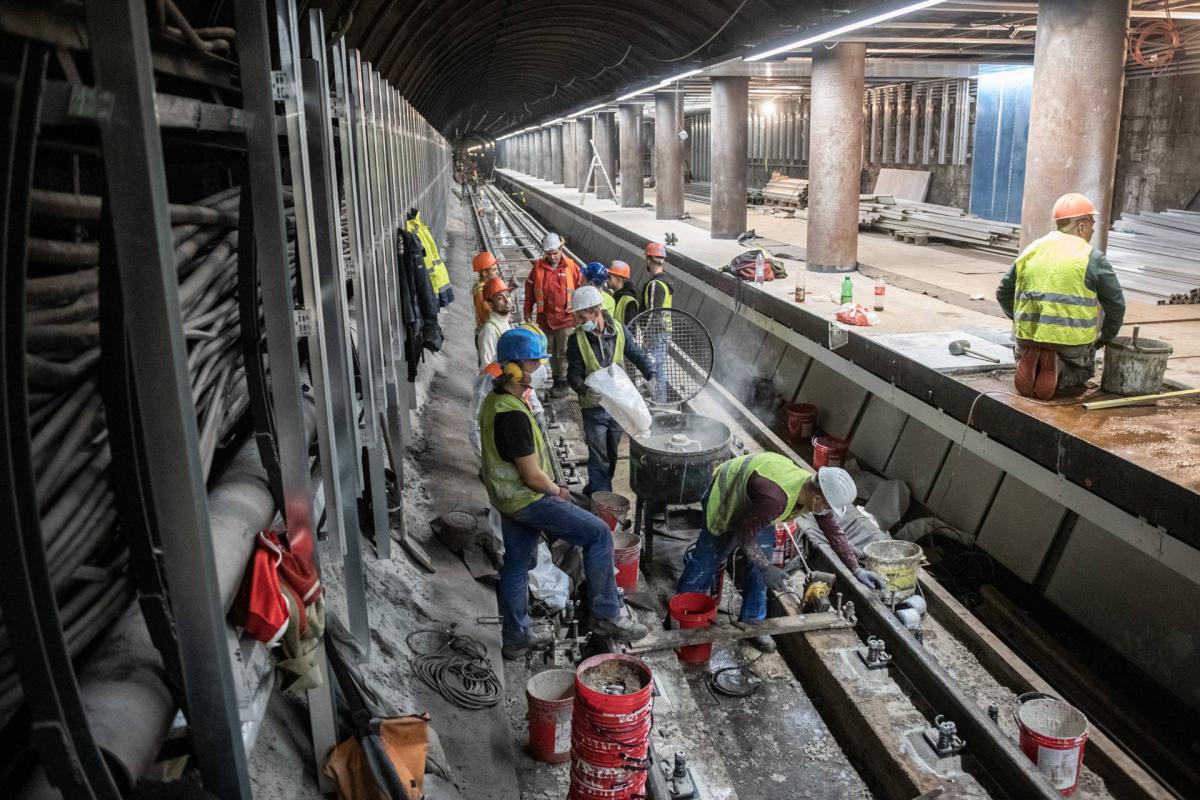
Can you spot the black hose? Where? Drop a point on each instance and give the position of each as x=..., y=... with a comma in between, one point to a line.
x=459, y=670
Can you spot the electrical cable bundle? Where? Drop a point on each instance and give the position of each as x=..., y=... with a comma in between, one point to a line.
x=458, y=670
x=1146, y=51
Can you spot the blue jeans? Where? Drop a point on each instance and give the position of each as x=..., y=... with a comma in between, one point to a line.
x=659, y=346
x=603, y=437
x=558, y=519
x=709, y=553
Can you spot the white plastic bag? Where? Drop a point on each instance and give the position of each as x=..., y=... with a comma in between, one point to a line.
x=620, y=398
x=547, y=582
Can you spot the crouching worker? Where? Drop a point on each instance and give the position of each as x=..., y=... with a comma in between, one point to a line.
x=516, y=473
x=747, y=497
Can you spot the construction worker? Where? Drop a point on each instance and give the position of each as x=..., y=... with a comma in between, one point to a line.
x=548, y=290
x=598, y=342
x=1054, y=293
x=748, y=496
x=485, y=268
x=499, y=301
x=516, y=471
x=657, y=294
x=483, y=386
x=596, y=274
x=624, y=294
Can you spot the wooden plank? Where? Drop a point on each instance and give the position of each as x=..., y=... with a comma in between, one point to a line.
x=776, y=626
x=1124, y=777
x=1121, y=402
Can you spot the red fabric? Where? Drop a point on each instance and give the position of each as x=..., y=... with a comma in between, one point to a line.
x=557, y=315
x=261, y=608
x=1037, y=373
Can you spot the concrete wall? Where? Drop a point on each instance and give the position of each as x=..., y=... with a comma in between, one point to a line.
x=1158, y=157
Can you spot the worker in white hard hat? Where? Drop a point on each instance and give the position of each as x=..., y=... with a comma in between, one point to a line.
x=748, y=496
x=548, y=291
x=599, y=341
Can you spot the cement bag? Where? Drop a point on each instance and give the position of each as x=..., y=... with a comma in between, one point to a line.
x=547, y=582
x=620, y=398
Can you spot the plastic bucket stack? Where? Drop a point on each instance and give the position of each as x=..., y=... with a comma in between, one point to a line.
x=610, y=507
x=693, y=610
x=1053, y=735
x=801, y=419
x=610, y=728
x=785, y=543
x=829, y=451
x=550, y=696
x=627, y=550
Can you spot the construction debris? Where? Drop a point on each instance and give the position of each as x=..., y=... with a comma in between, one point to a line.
x=920, y=222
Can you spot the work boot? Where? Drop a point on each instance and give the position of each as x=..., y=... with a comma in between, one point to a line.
x=622, y=629
x=764, y=643
x=514, y=650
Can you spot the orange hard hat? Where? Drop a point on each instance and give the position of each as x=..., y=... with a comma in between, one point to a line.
x=619, y=268
x=494, y=287
x=1073, y=204
x=656, y=249
x=482, y=261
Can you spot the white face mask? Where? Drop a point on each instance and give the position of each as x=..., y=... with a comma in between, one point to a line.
x=538, y=379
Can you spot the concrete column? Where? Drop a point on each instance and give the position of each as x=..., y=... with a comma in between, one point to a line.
x=556, y=153
x=730, y=113
x=668, y=156
x=602, y=135
x=1075, y=110
x=630, y=124
x=527, y=153
x=540, y=153
x=547, y=155
x=570, y=168
x=583, y=152
x=835, y=157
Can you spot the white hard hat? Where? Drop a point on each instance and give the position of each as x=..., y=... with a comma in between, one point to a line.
x=551, y=241
x=585, y=297
x=837, y=487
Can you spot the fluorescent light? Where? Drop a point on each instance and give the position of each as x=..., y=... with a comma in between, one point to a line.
x=847, y=28
x=586, y=111
x=681, y=76
x=632, y=95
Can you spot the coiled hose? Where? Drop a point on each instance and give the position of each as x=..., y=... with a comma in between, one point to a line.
x=458, y=670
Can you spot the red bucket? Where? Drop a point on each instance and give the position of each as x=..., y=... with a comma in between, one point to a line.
x=829, y=451
x=693, y=610
x=1053, y=735
x=550, y=696
x=610, y=507
x=785, y=543
x=627, y=550
x=610, y=729
x=613, y=683
x=801, y=420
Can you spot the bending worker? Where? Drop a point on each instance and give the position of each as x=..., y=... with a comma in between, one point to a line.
x=624, y=292
x=1054, y=293
x=485, y=267
x=596, y=274
x=548, y=288
x=516, y=472
x=598, y=342
x=748, y=496
x=495, y=293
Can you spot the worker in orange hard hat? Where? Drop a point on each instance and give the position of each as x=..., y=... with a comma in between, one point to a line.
x=657, y=294
x=620, y=284
x=485, y=267
x=496, y=294
x=1064, y=300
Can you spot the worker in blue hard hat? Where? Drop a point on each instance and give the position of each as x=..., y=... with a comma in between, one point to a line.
x=597, y=274
x=516, y=470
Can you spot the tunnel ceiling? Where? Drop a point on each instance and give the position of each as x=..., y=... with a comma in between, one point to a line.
x=493, y=65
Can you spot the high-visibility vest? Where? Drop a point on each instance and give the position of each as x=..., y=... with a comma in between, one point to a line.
x=539, y=279
x=438, y=276
x=623, y=303
x=506, y=491
x=727, y=493
x=1053, y=304
x=590, y=362
x=647, y=294
x=607, y=302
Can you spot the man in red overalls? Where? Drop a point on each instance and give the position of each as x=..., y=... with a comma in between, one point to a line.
x=548, y=289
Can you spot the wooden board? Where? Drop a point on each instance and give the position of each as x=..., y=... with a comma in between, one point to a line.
x=776, y=626
x=904, y=184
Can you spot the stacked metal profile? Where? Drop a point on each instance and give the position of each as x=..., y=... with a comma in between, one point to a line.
x=944, y=223
x=784, y=191
x=1157, y=256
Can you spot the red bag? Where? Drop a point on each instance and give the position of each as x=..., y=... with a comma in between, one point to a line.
x=260, y=607
x=742, y=266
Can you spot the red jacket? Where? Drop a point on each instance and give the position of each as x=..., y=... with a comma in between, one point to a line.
x=554, y=304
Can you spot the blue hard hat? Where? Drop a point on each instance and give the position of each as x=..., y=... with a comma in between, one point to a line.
x=519, y=344
x=596, y=272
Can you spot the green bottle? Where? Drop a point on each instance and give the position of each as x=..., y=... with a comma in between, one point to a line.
x=847, y=290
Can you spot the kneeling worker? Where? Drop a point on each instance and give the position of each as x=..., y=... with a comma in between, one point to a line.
x=516, y=472
x=748, y=496
x=598, y=342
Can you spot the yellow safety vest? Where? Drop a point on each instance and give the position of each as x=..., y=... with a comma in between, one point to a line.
x=607, y=302
x=622, y=306
x=507, y=492
x=590, y=362
x=727, y=493
x=646, y=294
x=1052, y=303
x=438, y=276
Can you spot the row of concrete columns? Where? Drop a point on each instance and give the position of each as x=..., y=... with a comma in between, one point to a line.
x=1075, y=116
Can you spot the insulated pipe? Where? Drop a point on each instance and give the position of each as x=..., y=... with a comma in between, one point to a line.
x=630, y=124
x=1075, y=110
x=668, y=157
x=730, y=107
x=570, y=165
x=602, y=136
x=583, y=153
x=835, y=157
x=556, y=153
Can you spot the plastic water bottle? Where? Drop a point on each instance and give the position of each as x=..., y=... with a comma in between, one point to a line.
x=760, y=270
x=800, y=286
x=880, y=291
x=847, y=291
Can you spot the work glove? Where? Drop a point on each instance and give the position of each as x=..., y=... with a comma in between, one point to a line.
x=869, y=579
x=776, y=579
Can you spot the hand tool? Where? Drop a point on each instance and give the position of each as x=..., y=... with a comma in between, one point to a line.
x=962, y=347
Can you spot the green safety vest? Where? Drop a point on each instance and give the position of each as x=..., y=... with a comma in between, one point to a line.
x=728, y=490
x=607, y=302
x=622, y=305
x=646, y=293
x=590, y=362
x=507, y=492
x=1053, y=304
x=438, y=276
